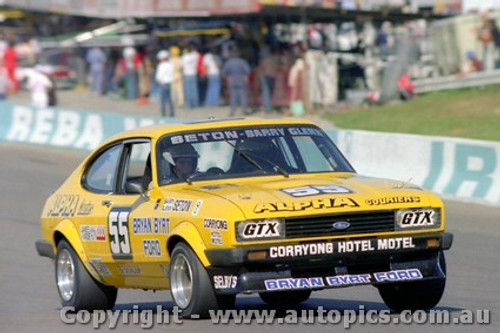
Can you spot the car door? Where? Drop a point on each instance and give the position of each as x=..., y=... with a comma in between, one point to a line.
x=132, y=217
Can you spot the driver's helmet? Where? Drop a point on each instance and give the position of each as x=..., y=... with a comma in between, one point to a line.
x=184, y=150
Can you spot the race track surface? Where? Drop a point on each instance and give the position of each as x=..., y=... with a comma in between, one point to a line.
x=29, y=301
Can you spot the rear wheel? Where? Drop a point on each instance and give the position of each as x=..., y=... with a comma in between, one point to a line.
x=190, y=285
x=285, y=297
x=418, y=295
x=76, y=287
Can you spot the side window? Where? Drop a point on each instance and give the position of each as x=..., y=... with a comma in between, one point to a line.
x=137, y=165
x=101, y=175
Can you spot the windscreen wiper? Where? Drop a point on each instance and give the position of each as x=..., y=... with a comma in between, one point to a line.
x=245, y=156
x=257, y=165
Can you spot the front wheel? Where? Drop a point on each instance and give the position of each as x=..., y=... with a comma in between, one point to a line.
x=190, y=285
x=285, y=297
x=76, y=287
x=418, y=295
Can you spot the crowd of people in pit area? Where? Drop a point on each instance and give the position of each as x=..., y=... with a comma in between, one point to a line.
x=188, y=77
x=194, y=77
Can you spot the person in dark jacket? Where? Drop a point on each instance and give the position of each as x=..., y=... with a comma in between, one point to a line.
x=236, y=71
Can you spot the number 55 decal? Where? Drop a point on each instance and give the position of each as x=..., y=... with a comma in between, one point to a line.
x=119, y=239
x=305, y=191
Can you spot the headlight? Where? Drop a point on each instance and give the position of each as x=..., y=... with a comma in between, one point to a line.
x=260, y=229
x=418, y=218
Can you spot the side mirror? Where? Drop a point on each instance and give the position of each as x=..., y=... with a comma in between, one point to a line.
x=132, y=187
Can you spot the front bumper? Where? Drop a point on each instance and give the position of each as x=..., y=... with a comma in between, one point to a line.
x=256, y=269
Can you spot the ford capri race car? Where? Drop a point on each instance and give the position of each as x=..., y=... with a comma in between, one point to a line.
x=212, y=209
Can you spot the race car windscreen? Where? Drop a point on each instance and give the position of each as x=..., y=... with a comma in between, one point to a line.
x=246, y=152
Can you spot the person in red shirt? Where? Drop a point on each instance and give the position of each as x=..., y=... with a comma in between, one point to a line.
x=10, y=63
x=405, y=87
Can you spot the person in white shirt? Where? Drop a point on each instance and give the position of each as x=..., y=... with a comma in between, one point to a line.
x=212, y=64
x=39, y=85
x=190, y=72
x=164, y=76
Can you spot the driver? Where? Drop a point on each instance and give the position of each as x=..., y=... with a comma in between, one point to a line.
x=184, y=160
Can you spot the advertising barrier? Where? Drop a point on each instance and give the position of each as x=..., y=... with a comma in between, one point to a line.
x=455, y=168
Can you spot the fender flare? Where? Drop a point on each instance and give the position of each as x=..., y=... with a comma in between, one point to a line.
x=188, y=232
x=69, y=231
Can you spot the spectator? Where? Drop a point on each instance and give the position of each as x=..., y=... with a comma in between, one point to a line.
x=495, y=32
x=39, y=84
x=212, y=64
x=267, y=70
x=236, y=71
x=114, y=56
x=164, y=77
x=472, y=63
x=485, y=36
x=296, y=81
x=145, y=68
x=97, y=61
x=10, y=63
x=130, y=66
x=177, y=87
x=405, y=87
x=5, y=84
x=190, y=72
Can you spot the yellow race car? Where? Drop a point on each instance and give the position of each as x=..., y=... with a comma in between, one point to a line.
x=215, y=208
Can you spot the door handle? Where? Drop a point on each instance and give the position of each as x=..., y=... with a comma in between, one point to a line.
x=107, y=203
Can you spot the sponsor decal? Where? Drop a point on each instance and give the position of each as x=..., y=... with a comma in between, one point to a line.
x=176, y=205
x=101, y=268
x=211, y=136
x=215, y=224
x=415, y=218
x=157, y=204
x=310, y=190
x=292, y=283
x=392, y=200
x=197, y=207
x=119, y=239
x=262, y=229
x=148, y=225
x=326, y=248
x=343, y=280
x=348, y=280
x=151, y=247
x=65, y=205
x=298, y=250
x=93, y=233
x=85, y=208
x=398, y=275
x=304, y=205
x=216, y=238
x=129, y=270
x=225, y=281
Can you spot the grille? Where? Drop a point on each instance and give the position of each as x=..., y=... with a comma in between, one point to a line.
x=322, y=225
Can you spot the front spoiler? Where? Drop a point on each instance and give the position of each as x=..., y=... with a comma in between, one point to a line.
x=236, y=273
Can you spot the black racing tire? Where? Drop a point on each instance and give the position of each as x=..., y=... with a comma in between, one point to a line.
x=190, y=285
x=418, y=295
x=285, y=297
x=84, y=292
